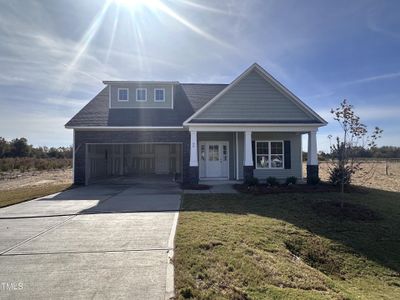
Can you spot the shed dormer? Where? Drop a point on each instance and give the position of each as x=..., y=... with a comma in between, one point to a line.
x=141, y=94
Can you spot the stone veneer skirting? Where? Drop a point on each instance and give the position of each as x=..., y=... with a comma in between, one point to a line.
x=312, y=173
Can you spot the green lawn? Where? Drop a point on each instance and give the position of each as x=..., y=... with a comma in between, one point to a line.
x=13, y=196
x=288, y=246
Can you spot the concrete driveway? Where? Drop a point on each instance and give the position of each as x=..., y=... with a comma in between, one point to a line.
x=100, y=241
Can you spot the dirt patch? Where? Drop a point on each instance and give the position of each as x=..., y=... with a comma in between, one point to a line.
x=372, y=175
x=13, y=180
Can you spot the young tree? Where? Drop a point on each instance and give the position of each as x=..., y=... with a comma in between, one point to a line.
x=343, y=149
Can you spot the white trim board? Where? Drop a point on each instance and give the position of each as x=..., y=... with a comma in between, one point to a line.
x=139, y=82
x=138, y=143
x=254, y=127
x=211, y=127
x=106, y=128
x=269, y=78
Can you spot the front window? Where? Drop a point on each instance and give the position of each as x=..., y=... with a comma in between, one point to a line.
x=269, y=154
x=159, y=95
x=123, y=94
x=213, y=152
x=141, y=94
x=203, y=152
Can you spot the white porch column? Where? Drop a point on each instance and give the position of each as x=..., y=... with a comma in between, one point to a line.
x=312, y=155
x=194, y=162
x=248, y=156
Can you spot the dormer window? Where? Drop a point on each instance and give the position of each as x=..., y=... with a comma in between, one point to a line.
x=159, y=95
x=141, y=94
x=123, y=94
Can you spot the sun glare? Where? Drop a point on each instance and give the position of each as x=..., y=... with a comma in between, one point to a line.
x=132, y=4
x=139, y=10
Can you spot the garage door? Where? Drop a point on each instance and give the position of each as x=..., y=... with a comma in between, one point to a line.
x=113, y=160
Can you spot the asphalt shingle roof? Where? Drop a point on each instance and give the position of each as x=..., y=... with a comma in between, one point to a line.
x=188, y=98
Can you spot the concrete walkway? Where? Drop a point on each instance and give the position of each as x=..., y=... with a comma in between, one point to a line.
x=216, y=187
x=100, y=241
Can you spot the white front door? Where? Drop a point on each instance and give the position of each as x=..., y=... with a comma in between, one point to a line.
x=214, y=160
x=161, y=159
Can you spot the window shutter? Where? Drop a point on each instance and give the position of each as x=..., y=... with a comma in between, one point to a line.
x=288, y=163
x=253, y=144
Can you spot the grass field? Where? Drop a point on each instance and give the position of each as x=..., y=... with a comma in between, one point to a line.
x=16, y=195
x=289, y=246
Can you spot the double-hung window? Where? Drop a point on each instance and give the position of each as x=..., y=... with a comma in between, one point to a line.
x=269, y=154
x=123, y=94
x=141, y=94
x=159, y=95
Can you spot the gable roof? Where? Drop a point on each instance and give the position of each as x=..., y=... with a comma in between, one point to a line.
x=200, y=93
x=188, y=98
x=312, y=117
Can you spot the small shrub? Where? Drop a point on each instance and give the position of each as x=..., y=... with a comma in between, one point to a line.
x=251, y=181
x=337, y=173
x=272, y=181
x=291, y=180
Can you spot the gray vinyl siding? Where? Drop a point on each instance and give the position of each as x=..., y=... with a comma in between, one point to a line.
x=150, y=103
x=222, y=136
x=253, y=98
x=295, y=154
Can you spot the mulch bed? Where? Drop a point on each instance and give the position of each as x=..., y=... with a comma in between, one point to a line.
x=262, y=189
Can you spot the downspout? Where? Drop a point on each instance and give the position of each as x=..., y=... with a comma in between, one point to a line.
x=73, y=155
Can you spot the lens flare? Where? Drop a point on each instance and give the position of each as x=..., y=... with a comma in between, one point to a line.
x=132, y=4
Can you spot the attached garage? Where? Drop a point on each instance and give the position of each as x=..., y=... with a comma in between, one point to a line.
x=133, y=160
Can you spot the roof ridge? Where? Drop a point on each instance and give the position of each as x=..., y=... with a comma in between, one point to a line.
x=196, y=83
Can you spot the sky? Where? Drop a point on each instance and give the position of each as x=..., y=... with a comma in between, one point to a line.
x=54, y=55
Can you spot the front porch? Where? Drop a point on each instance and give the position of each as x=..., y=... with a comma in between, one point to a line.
x=227, y=154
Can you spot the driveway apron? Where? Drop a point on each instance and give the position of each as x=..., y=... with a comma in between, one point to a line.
x=100, y=241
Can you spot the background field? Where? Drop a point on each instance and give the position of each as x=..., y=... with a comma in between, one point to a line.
x=56, y=171
x=373, y=174
x=28, y=178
